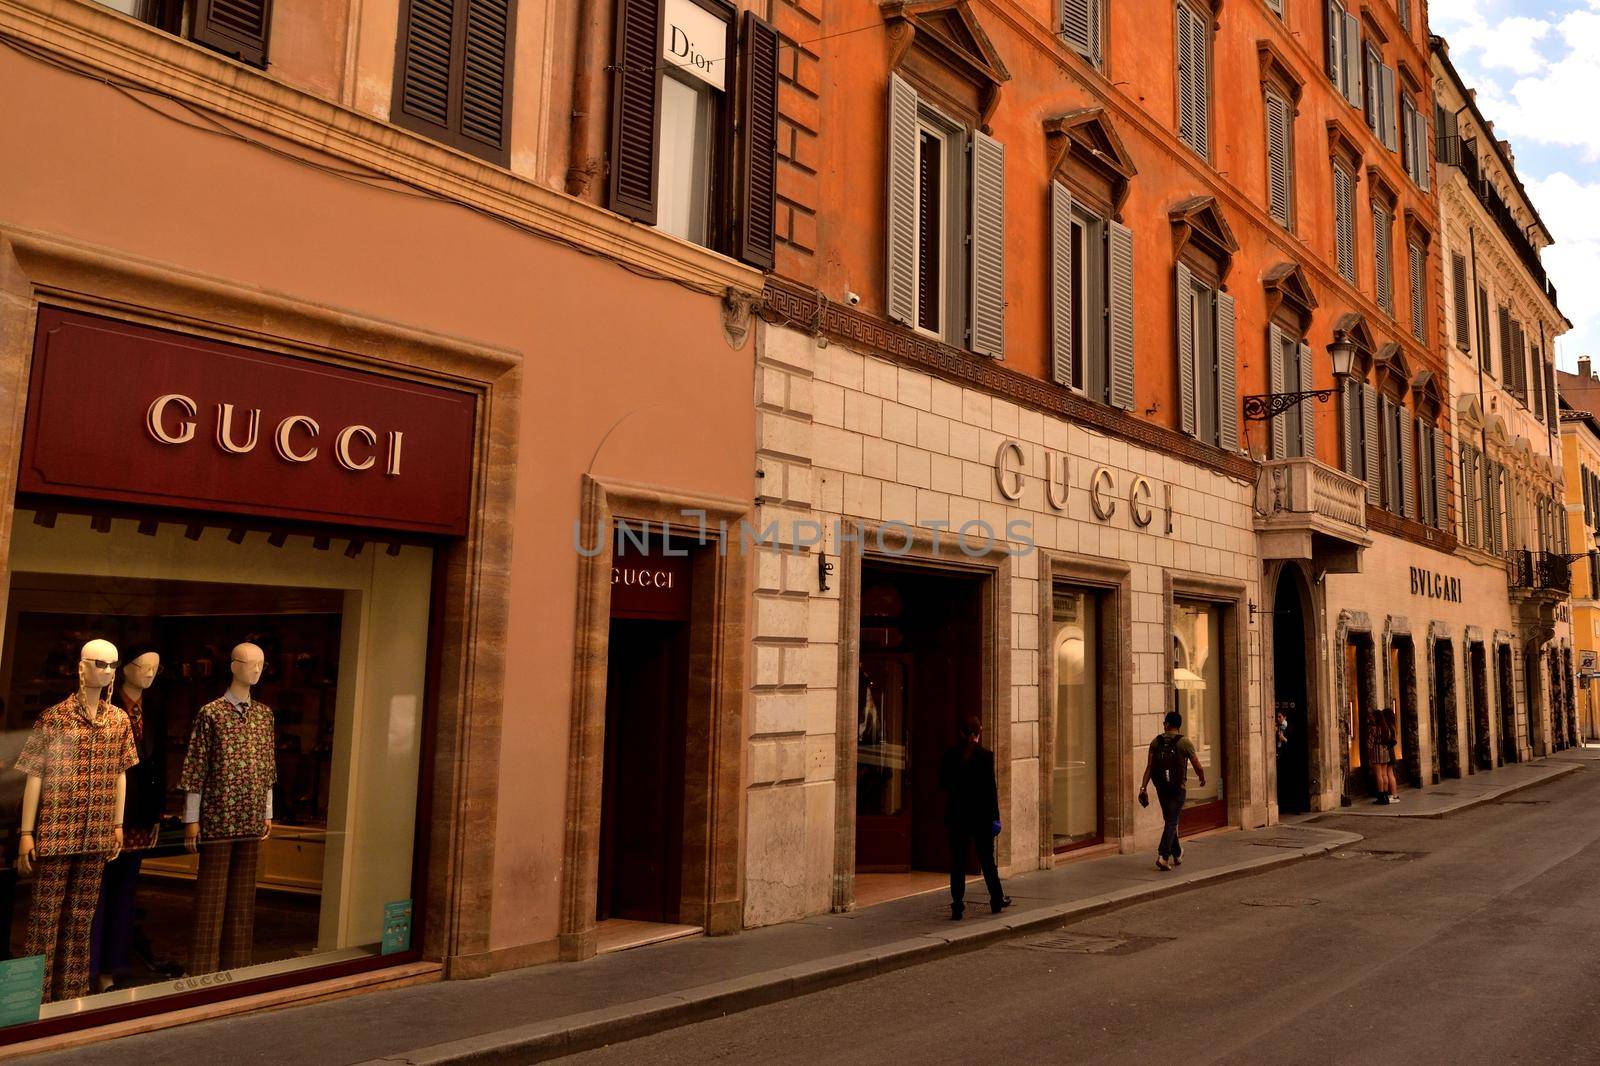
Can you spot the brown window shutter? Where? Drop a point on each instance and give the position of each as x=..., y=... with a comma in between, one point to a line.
x=758, y=155
x=636, y=109
x=453, y=76
x=238, y=28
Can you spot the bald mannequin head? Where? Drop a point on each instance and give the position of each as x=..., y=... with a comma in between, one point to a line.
x=248, y=662
x=97, y=664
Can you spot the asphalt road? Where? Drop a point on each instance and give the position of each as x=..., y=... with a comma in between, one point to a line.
x=1468, y=939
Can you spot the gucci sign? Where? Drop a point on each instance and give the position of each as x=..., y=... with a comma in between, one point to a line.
x=171, y=419
x=1104, y=493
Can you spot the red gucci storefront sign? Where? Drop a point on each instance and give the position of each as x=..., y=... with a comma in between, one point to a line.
x=123, y=412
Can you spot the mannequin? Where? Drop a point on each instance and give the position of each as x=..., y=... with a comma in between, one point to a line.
x=111, y=946
x=228, y=774
x=76, y=759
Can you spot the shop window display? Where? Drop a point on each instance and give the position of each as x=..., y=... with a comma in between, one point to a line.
x=241, y=800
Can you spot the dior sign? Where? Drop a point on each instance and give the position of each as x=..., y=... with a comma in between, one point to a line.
x=171, y=419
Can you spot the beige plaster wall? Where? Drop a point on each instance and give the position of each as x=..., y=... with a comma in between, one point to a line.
x=611, y=358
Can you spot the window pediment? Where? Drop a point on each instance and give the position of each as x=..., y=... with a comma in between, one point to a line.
x=1276, y=70
x=1352, y=326
x=1418, y=227
x=1084, y=143
x=942, y=45
x=1425, y=395
x=1381, y=189
x=1289, y=290
x=1198, y=225
x=1392, y=371
x=1469, y=411
x=1343, y=147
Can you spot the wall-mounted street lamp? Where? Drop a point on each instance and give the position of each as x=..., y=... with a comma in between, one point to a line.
x=1341, y=353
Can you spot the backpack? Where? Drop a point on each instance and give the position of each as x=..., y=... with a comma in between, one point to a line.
x=1171, y=765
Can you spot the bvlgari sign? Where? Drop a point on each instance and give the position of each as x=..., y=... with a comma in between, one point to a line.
x=136, y=415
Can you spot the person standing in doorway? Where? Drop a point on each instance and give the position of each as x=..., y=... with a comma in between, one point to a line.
x=1381, y=751
x=971, y=814
x=1171, y=755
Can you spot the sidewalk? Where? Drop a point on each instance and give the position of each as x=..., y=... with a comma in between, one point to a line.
x=537, y=1013
x=1453, y=794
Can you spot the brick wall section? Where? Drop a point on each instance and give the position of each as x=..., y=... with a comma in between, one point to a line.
x=799, y=127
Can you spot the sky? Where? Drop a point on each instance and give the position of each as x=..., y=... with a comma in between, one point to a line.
x=1536, y=66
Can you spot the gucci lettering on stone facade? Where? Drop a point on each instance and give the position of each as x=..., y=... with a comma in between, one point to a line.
x=171, y=419
x=1105, y=493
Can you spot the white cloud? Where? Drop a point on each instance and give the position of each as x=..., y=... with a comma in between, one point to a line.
x=1571, y=209
x=1509, y=44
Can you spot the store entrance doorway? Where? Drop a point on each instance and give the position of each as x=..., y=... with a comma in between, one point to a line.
x=1446, y=731
x=1403, y=697
x=1478, y=720
x=1289, y=695
x=921, y=672
x=1508, y=704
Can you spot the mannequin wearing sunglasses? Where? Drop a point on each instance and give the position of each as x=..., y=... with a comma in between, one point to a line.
x=228, y=773
x=111, y=946
x=76, y=759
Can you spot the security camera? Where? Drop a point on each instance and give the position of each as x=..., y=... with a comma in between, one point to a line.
x=852, y=298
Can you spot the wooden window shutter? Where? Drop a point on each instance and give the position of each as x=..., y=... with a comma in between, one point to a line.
x=1419, y=119
x=1383, y=276
x=1485, y=349
x=1333, y=33
x=1352, y=54
x=636, y=110
x=1469, y=493
x=1078, y=29
x=1350, y=410
x=1588, y=511
x=1408, y=136
x=1227, y=374
x=1369, y=442
x=1097, y=22
x=1505, y=345
x=1344, y=222
x=454, y=76
x=1408, y=474
x=1280, y=181
x=1061, y=308
x=1184, y=316
x=1441, y=478
x=1308, y=410
x=1194, y=105
x=901, y=276
x=1386, y=108
x=1417, y=261
x=1279, y=443
x=988, y=246
x=1119, y=309
x=1185, y=87
x=757, y=180
x=238, y=28
x=1458, y=289
x=1403, y=10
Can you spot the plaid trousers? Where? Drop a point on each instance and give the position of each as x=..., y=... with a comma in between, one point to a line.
x=66, y=890
x=224, y=905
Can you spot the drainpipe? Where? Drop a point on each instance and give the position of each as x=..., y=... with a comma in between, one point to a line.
x=581, y=165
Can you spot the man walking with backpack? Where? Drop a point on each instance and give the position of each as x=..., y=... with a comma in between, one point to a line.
x=1171, y=754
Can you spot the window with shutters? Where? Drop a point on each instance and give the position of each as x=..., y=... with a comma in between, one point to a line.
x=1461, y=306
x=1342, y=53
x=1083, y=28
x=1280, y=158
x=1358, y=407
x=1402, y=10
x=1417, y=264
x=1382, y=246
x=1396, y=486
x=1206, y=333
x=236, y=28
x=1291, y=306
x=694, y=123
x=1194, y=78
x=946, y=226
x=1485, y=349
x=1344, y=221
x=453, y=73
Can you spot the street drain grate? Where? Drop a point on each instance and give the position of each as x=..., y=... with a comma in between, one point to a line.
x=1280, y=901
x=1088, y=943
x=1526, y=803
x=1278, y=842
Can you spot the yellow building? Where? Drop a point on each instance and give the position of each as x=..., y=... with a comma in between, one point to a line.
x=1580, y=450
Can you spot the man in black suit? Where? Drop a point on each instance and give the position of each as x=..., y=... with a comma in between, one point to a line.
x=971, y=814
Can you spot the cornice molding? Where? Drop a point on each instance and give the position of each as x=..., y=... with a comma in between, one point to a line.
x=788, y=304
x=105, y=44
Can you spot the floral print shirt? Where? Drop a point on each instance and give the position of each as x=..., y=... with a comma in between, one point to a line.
x=232, y=764
x=78, y=763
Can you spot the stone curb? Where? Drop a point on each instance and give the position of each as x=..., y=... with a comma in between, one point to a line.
x=573, y=1033
x=1566, y=767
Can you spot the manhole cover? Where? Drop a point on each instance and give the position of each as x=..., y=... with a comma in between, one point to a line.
x=1280, y=901
x=1088, y=943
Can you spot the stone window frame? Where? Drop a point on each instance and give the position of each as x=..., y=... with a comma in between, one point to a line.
x=1119, y=769
x=929, y=551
